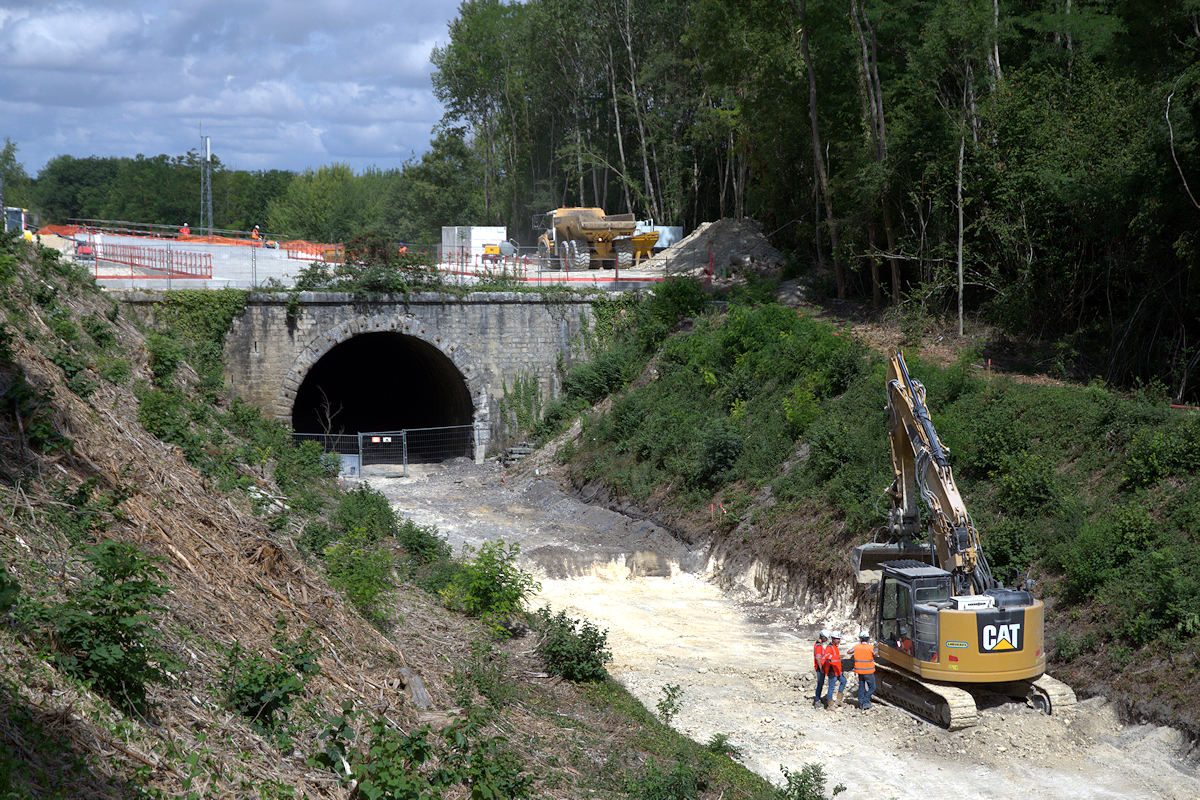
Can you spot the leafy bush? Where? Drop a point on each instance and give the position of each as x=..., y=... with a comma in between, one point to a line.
x=683, y=781
x=102, y=633
x=807, y=784
x=366, y=514
x=575, y=649
x=166, y=354
x=259, y=689
x=490, y=585
x=668, y=705
x=422, y=545
x=719, y=743
x=99, y=331
x=421, y=766
x=363, y=571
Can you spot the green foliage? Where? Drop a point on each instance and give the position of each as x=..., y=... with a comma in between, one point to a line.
x=719, y=743
x=365, y=514
x=484, y=672
x=166, y=354
x=683, y=781
x=103, y=633
x=260, y=689
x=669, y=705
x=807, y=784
x=363, y=571
x=420, y=765
x=10, y=589
x=575, y=649
x=490, y=585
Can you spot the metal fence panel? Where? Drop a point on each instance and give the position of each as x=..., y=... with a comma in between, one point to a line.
x=402, y=447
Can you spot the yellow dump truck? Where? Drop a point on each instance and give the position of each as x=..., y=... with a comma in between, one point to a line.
x=582, y=238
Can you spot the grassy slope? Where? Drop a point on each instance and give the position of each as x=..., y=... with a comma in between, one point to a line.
x=78, y=466
x=780, y=419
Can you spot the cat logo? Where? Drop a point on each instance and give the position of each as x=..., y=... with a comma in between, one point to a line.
x=1001, y=631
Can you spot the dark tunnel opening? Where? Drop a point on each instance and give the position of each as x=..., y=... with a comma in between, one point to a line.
x=381, y=382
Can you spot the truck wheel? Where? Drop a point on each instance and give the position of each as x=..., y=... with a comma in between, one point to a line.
x=624, y=250
x=583, y=253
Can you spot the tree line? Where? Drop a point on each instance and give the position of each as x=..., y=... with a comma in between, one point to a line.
x=1047, y=146
x=332, y=203
x=1046, y=151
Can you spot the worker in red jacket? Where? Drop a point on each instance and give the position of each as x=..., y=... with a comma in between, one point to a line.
x=819, y=663
x=833, y=668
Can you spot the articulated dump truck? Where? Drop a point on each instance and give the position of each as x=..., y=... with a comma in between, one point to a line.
x=583, y=238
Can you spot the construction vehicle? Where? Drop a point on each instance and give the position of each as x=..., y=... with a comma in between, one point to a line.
x=21, y=221
x=946, y=629
x=579, y=238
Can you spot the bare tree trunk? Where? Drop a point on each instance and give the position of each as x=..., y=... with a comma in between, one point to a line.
x=612, y=77
x=871, y=90
x=876, y=294
x=889, y=230
x=995, y=59
x=627, y=35
x=962, y=143
x=818, y=159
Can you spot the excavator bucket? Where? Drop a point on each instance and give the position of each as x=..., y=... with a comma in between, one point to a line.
x=867, y=558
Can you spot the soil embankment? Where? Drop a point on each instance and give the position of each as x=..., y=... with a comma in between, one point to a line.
x=743, y=664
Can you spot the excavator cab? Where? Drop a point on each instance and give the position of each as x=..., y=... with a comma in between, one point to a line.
x=910, y=595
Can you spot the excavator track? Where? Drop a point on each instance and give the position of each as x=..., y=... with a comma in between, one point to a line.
x=1045, y=694
x=949, y=706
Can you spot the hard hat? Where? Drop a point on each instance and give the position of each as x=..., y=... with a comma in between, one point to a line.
x=835, y=635
x=864, y=635
x=824, y=634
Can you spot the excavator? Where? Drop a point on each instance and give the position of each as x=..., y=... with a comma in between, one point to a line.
x=947, y=631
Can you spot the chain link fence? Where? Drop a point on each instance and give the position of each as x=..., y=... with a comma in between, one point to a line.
x=395, y=448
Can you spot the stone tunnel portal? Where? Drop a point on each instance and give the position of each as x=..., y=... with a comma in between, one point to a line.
x=382, y=381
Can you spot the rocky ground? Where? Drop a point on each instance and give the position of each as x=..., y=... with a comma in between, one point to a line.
x=743, y=665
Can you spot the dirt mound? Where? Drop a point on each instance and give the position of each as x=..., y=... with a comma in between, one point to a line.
x=731, y=246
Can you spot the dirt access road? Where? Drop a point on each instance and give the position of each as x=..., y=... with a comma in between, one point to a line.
x=744, y=666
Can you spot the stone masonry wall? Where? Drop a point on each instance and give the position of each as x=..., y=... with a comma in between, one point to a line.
x=493, y=339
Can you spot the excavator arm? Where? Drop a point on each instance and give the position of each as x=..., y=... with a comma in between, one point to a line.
x=922, y=472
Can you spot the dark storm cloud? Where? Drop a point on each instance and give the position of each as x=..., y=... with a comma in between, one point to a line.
x=283, y=84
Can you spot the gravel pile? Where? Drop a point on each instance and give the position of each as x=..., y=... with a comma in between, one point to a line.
x=734, y=246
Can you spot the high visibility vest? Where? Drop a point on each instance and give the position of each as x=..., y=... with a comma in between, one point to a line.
x=818, y=656
x=864, y=659
x=833, y=658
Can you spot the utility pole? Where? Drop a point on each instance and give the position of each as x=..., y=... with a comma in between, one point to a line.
x=206, y=211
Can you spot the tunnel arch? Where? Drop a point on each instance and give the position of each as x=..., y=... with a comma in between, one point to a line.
x=381, y=373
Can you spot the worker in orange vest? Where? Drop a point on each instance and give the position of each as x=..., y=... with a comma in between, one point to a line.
x=185, y=231
x=833, y=668
x=864, y=668
x=255, y=235
x=819, y=664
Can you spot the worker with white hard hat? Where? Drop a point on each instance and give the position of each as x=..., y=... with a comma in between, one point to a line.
x=864, y=668
x=819, y=663
x=833, y=668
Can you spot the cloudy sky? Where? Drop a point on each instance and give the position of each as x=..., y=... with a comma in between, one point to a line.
x=284, y=84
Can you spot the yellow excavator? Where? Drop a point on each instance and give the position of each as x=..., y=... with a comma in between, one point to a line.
x=946, y=629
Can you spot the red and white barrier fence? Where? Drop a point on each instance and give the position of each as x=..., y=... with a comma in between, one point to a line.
x=151, y=262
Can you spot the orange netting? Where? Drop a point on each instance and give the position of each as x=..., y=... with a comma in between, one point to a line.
x=318, y=249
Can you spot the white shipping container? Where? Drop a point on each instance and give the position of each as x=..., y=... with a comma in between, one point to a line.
x=468, y=240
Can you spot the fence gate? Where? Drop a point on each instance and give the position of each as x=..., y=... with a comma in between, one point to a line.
x=402, y=447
